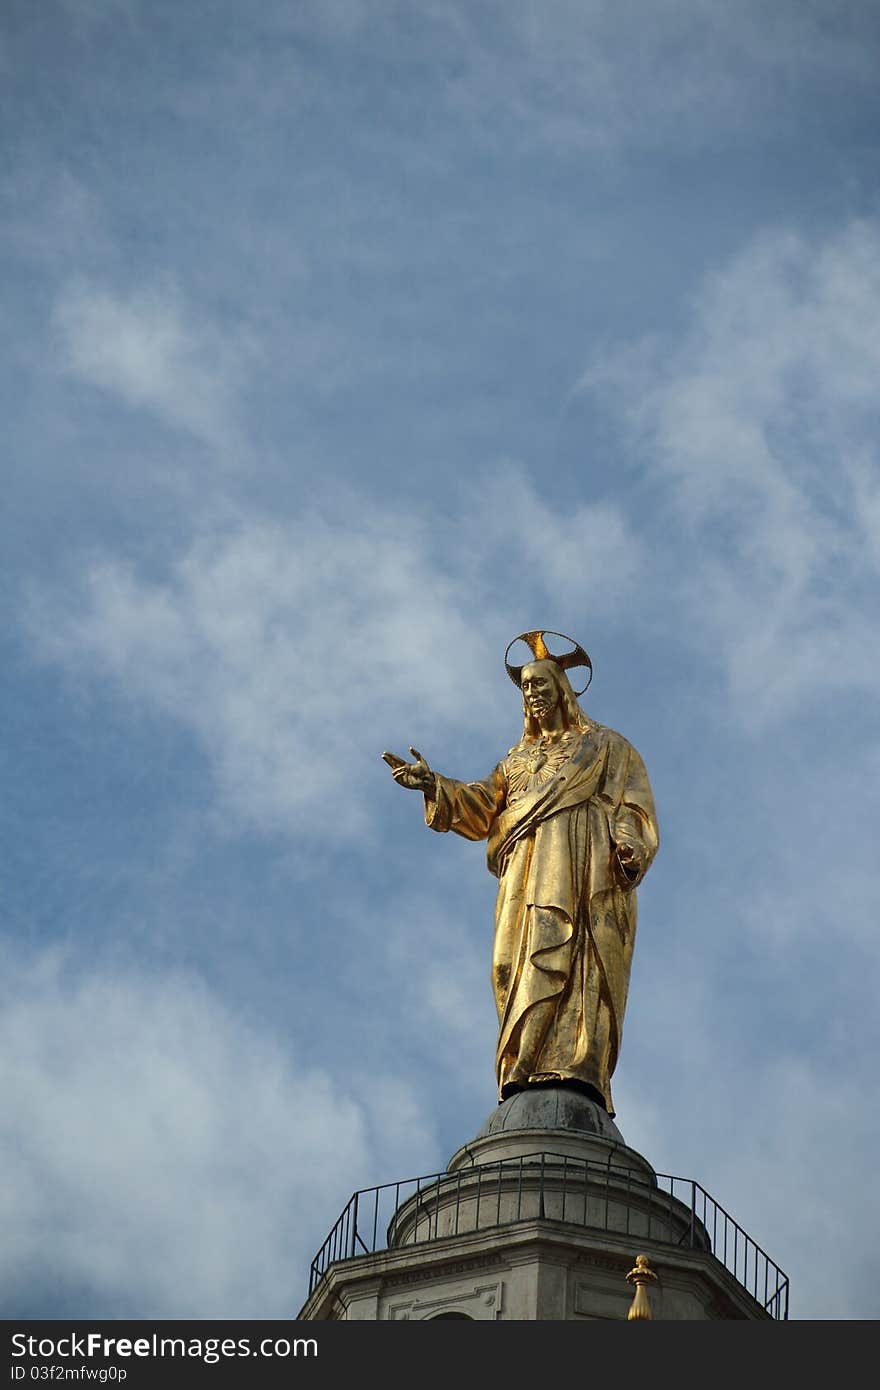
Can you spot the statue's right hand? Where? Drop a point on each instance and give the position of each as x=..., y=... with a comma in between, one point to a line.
x=417, y=775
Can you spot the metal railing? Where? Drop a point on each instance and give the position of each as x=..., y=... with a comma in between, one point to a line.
x=597, y=1196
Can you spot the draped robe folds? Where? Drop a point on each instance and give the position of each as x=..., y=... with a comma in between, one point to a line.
x=565, y=916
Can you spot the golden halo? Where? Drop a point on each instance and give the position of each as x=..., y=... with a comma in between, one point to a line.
x=536, y=644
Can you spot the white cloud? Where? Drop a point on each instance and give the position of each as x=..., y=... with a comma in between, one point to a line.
x=150, y=351
x=50, y=217
x=561, y=76
x=551, y=548
x=809, y=1130
x=287, y=650
x=290, y=648
x=600, y=77
x=762, y=424
x=157, y=1148
x=766, y=1119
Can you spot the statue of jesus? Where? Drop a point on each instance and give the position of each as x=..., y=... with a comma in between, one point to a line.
x=569, y=819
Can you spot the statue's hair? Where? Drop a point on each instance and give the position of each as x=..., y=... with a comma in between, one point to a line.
x=573, y=715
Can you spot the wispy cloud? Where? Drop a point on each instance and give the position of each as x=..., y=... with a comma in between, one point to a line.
x=560, y=77
x=535, y=543
x=150, y=351
x=290, y=647
x=161, y=1157
x=572, y=76
x=761, y=427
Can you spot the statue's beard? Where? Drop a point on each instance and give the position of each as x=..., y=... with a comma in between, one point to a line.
x=538, y=708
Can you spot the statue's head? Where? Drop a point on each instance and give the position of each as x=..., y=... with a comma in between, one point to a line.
x=545, y=685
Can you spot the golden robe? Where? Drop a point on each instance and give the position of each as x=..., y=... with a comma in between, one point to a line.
x=555, y=812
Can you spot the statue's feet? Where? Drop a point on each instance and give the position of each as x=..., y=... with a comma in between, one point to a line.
x=518, y=1083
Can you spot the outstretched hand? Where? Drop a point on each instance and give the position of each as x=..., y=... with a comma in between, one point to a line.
x=417, y=776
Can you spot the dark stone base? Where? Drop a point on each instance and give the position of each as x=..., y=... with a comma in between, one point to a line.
x=513, y=1088
x=553, y=1105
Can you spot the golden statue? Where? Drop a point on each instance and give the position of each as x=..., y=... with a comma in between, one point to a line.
x=569, y=819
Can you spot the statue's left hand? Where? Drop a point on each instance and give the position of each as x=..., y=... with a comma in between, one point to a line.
x=629, y=864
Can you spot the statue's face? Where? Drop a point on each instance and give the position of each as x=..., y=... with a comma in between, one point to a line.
x=540, y=690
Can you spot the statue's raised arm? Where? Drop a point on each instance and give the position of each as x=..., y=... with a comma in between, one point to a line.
x=571, y=829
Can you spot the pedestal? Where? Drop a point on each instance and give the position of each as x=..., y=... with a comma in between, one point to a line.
x=540, y=1217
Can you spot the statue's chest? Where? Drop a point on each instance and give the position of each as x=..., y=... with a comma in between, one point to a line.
x=534, y=764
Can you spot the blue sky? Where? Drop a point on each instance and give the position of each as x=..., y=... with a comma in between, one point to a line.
x=344, y=341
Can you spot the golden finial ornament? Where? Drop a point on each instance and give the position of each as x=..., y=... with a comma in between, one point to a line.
x=642, y=1275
